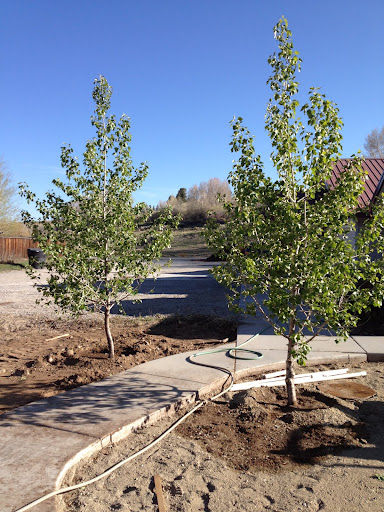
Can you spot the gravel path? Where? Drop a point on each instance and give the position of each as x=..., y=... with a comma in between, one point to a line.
x=18, y=294
x=185, y=287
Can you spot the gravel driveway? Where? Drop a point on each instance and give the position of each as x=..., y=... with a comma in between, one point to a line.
x=185, y=287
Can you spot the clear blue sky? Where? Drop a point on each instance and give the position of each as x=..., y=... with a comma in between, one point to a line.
x=180, y=69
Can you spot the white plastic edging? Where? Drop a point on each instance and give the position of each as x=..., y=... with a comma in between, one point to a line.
x=297, y=380
x=281, y=374
x=274, y=377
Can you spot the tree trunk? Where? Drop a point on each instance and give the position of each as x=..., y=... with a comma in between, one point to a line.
x=290, y=374
x=111, y=345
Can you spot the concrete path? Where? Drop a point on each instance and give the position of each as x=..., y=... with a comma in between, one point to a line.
x=41, y=441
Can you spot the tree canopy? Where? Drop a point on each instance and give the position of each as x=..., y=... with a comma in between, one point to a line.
x=292, y=253
x=194, y=204
x=90, y=227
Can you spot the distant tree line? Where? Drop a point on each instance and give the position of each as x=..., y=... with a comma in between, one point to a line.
x=195, y=204
x=10, y=224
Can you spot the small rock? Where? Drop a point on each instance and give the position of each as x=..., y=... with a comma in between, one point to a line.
x=69, y=352
x=77, y=379
x=321, y=504
x=51, y=358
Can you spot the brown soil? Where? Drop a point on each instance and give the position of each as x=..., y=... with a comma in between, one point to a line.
x=31, y=367
x=278, y=435
x=251, y=453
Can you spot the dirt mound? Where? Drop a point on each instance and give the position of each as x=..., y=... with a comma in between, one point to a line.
x=278, y=435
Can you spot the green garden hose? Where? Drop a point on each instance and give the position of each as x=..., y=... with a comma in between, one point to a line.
x=232, y=352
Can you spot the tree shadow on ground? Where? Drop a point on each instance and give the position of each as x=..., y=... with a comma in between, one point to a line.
x=184, y=293
x=309, y=443
x=195, y=327
x=93, y=404
x=15, y=393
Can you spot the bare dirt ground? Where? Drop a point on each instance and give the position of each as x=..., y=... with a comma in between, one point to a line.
x=32, y=367
x=250, y=453
x=246, y=453
x=183, y=309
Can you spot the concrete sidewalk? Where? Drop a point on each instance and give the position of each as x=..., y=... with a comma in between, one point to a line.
x=41, y=441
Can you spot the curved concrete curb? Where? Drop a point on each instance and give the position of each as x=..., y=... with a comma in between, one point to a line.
x=43, y=440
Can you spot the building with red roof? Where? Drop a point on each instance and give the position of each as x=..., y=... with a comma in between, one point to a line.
x=374, y=186
x=374, y=183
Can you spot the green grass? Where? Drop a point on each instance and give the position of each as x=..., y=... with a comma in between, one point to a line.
x=20, y=265
x=188, y=243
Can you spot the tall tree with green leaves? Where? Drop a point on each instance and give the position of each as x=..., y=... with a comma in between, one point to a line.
x=90, y=227
x=291, y=248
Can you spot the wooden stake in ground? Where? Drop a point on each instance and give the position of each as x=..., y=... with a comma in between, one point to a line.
x=58, y=337
x=159, y=493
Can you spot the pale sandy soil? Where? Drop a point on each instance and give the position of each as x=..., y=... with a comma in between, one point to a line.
x=195, y=480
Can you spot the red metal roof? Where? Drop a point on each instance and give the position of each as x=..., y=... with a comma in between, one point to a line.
x=373, y=183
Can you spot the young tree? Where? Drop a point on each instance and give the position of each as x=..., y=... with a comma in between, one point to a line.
x=90, y=227
x=374, y=144
x=287, y=243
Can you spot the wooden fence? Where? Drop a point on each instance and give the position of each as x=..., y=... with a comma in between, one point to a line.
x=15, y=248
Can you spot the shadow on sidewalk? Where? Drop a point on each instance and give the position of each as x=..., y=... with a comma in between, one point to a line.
x=99, y=402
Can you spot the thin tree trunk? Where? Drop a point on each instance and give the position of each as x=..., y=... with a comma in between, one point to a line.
x=111, y=345
x=289, y=376
x=289, y=370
